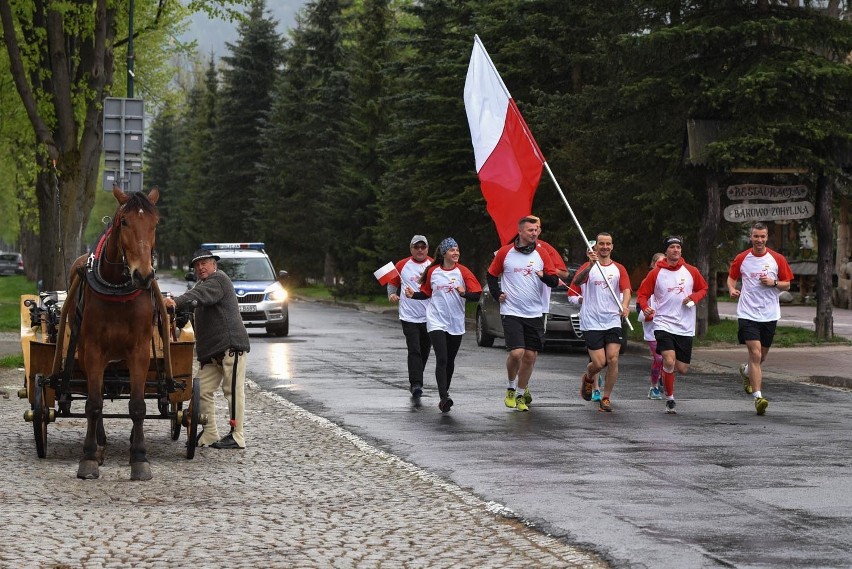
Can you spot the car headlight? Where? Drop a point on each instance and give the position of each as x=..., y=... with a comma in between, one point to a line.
x=276, y=293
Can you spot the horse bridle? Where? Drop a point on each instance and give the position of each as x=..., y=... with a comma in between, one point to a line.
x=94, y=264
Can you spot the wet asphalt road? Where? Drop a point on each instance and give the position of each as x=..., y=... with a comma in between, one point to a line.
x=714, y=486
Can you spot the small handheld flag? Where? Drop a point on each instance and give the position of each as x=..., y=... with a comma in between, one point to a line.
x=385, y=273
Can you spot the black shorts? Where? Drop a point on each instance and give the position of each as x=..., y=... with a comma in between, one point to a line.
x=526, y=333
x=598, y=339
x=752, y=330
x=682, y=345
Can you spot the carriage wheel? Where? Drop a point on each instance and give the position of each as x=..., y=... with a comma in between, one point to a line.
x=40, y=419
x=176, y=423
x=194, y=418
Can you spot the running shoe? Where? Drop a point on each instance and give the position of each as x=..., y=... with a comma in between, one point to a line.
x=521, y=404
x=654, y=393
x=510, y=399
x=445, y=404
x=760, y=405
x=670, y=407
x=596, y=395
x=746, y=380
x=586, y=387
x=416, y=392
x=527, y=396
x=605, y=404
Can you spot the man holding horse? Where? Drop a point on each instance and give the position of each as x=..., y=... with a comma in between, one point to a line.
x=221, y=342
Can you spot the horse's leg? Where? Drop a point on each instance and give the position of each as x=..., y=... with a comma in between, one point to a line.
x=101, y=438
x=88, y=468
x=140, y=469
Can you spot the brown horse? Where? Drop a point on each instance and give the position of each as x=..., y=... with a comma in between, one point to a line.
x=119, y=307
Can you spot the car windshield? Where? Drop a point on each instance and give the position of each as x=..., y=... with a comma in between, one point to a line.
x=256, y=269
x=9, y=257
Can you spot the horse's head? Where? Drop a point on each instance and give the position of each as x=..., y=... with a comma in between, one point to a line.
x=136, y=221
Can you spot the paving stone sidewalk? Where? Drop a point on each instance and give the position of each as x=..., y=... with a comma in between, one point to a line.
x=304, y=493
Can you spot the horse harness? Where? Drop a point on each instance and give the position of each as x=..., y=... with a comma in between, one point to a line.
x=102, y=288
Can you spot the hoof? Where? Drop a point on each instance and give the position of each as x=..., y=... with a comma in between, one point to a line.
x=140, y=471
x=88, y=470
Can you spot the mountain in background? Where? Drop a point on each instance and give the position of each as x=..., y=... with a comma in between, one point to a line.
x=211, y=35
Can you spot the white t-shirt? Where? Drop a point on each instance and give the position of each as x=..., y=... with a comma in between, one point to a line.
x=445, y=307
x=410, y=270
x=670, y=286
x=647, y=325
x=520, y=282
x=599, y=310
x=759, y=302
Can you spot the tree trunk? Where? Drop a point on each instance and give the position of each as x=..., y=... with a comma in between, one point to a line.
x=708, y=311
x=69, y=133
x=824, y=322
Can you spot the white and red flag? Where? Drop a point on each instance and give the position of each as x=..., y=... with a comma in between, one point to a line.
x=385, y=274
x=508, y=160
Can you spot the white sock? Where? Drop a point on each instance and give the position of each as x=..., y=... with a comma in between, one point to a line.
x=745, y=369
x=513, y=384
x=757, y=395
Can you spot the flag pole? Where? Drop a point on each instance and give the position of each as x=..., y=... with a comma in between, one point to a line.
x=585, y=239
x=547, y=167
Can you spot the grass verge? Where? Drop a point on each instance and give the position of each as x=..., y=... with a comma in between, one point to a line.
x=11, y=289
x=13, y=361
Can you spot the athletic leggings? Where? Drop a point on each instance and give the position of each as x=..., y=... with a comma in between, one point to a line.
x=656, y=362
x=446, y=346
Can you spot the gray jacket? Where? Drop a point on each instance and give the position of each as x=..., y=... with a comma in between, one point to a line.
x=218, y=324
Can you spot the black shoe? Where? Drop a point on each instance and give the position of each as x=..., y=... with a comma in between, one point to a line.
x=227, y=442
x=416, y=392
x=445, y=404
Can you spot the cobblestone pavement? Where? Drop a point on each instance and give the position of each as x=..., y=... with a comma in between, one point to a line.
x=304, y=493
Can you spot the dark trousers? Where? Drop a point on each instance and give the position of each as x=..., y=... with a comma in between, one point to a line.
x=419, y=344
x=446, y=347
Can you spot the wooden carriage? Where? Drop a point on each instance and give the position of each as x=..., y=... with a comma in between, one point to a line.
x=53, y=391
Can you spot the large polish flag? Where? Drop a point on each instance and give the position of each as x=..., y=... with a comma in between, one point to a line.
x=508, y=160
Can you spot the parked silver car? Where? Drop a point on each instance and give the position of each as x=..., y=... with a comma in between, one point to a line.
x=562, y=327
x=11, y=264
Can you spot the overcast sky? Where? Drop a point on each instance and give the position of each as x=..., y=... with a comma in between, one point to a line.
x=211, y=35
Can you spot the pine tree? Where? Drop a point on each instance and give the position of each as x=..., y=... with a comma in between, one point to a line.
x=308, y=194
x=248, y=76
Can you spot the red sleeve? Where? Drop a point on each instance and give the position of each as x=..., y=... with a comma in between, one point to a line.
x=555, y=257
x=426, y=285
x=574, y=288
x=399, y=265
x=471, y=283
x=785, y=273
x=699, y=288
x=623, y=278
x=549, y=267
x=646, y=289
x=734, y=271
x=496, y=267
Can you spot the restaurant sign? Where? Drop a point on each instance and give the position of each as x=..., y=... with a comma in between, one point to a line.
x=765, y=192
x=768, y=211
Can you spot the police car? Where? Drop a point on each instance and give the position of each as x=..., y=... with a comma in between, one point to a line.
x=262, y=298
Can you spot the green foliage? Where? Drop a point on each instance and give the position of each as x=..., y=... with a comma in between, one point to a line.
x=12, y=361
x=305, y=196
x=785, y=336
x=11, y=289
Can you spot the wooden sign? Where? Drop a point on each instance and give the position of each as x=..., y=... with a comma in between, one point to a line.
x=750, y=212
x=766, y=192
